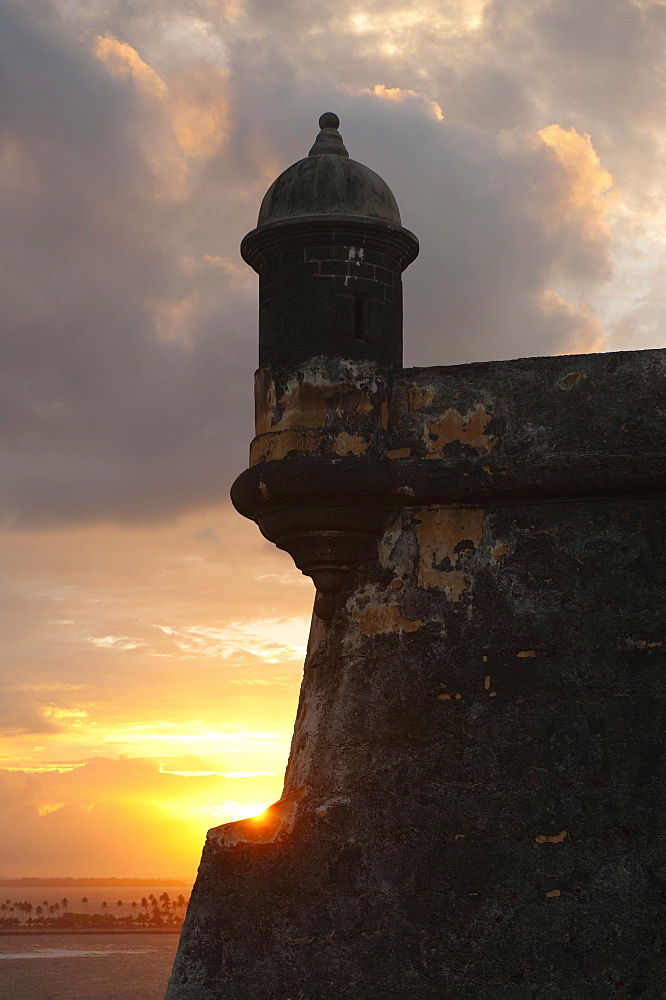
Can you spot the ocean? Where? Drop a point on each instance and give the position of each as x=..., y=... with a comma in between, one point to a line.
x=86, y=966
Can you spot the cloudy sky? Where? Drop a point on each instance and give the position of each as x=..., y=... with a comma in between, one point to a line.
x=152, y=641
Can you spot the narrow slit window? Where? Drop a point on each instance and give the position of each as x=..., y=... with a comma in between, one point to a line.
x=359, y=317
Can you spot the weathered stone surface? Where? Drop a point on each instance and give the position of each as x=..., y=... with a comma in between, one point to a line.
x=474, y=803
x=475, y=795
x=327, y=182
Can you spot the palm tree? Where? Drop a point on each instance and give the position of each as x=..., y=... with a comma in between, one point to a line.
x=134, y=907
x=119, y=904
x=38, y=912
x=64, y=902
x=105, y=906
x=85, y=902
x=144, y=903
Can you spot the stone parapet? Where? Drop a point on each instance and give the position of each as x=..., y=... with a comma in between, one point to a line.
x=342, y=444
x=473, y=806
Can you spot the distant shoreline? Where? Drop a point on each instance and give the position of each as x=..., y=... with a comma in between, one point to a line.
x=91, y=883
x=93, y=930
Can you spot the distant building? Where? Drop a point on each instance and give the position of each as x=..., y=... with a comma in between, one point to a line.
x=474, y=802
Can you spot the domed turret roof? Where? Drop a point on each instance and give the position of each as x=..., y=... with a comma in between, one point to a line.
x=327, y=182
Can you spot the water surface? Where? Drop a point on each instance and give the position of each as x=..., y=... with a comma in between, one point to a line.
x=86, y=966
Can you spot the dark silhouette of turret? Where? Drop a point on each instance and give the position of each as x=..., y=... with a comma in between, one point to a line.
x=329, y=249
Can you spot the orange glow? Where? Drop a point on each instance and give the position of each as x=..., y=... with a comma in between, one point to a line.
x=122, y=60
x=400, y=95
x=190, y=125
x=588, y=335
x=166, y=707
x=200, y=112
x=587, y=190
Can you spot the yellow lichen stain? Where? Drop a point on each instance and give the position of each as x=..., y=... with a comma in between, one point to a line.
x=264, y=401
x=398, y=452
x=485, y=659
x=271, y=447
x=384, y=414
x=469, y=428
x=438, y=532
x=652, y=645
x=303, y=404
x=383, y=618
x=499, y=551
x=543, y=838
x=364, y=404
x=265, y=492
x=486, y=468
x=350, y=444
x=387, y=542
x=459, y=836
x=444, y=696
x=492, y=694
x=553, y=894
x=486, y=682
x=525, y=653
x=417, y=397
x=453, y=582
x=278, y=444
x=396, y=584
x=458, y=697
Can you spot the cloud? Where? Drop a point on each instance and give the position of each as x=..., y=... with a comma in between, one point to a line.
x=122, y=60
x=87, y=669
x=524, y=142
x=21, y=716
x=514, y=191
x=587, y=192
x=400, y=95
x=121, y=816
x=138, y=143
x=94, y=259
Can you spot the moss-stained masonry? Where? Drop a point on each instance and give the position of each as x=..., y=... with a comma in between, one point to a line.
x=473, y=807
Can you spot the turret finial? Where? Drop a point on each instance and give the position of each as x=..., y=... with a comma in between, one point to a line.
x=329, y=141
x=329, y=119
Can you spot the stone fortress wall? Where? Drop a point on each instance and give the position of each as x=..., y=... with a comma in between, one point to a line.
x=474, y=801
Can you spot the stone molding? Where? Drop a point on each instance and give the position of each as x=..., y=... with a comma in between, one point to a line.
x=451, y=436
x=301, y=232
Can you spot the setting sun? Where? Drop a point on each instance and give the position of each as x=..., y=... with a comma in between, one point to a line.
x=192, y=724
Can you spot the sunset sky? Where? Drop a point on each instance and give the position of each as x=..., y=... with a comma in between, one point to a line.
x=152, y=641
